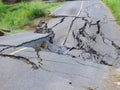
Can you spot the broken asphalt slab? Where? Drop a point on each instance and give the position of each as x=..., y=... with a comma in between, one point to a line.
x=19, y=39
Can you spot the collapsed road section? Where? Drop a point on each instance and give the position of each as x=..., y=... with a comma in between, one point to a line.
x=85, y=42
x=87, y=37
x=31, y=40
x=88, y=54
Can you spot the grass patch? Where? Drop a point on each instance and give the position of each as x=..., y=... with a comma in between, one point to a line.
x=114, y=5
x=118, y=77
x=16, y=16
x=16, y=31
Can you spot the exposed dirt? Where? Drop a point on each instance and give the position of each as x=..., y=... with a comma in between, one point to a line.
x=31, y=28
x=35, y=23
x=110, y=82
x=2, y=33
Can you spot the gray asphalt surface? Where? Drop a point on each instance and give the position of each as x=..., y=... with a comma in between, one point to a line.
x=62, y=72
x=18, y=39
x=69, y=8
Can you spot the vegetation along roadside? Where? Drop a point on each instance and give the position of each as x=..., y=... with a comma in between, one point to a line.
x=16, y=16
x=114, y=5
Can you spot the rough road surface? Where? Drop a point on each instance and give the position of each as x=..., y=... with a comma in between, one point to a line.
x=78, y=49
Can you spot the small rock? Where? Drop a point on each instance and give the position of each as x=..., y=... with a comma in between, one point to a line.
x=70, y=82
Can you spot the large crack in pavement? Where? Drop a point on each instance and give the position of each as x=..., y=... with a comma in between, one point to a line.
x=26, y=60
x=37, y=44
x=31, y=43
x=82, y=36
x=86, y=47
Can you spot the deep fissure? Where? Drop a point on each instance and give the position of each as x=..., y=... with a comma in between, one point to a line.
x=77, y=36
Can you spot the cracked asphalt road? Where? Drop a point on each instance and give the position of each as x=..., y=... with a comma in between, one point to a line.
x=83, y=62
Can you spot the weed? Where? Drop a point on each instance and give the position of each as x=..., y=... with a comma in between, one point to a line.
x=16, y=16
x=115, y=8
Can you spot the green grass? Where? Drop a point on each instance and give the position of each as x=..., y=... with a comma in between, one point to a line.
x=114, y=5
x=16, y=16
x=118, y=77
x=16, y=31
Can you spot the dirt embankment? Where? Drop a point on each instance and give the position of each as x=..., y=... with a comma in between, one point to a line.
x=1, y=33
